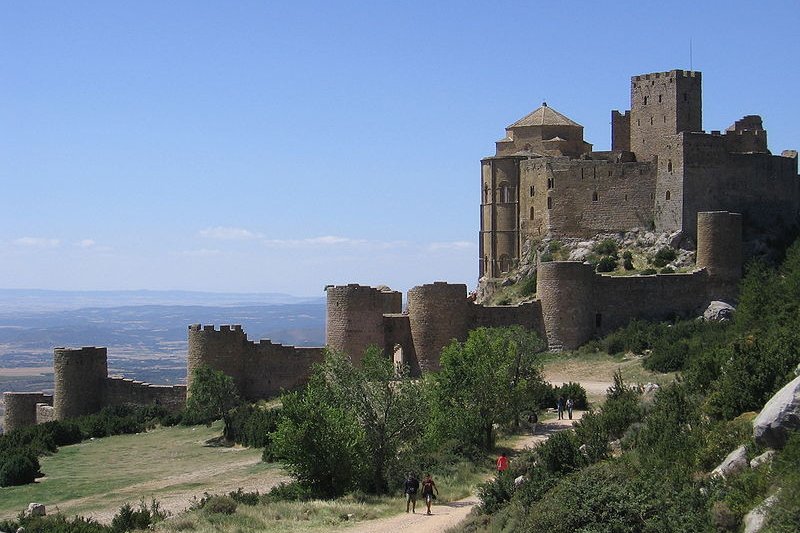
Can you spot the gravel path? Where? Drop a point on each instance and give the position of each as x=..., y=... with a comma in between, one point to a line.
x=448, y=515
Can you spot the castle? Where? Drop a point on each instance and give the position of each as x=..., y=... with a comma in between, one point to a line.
x=545, y=180
x=662, y=172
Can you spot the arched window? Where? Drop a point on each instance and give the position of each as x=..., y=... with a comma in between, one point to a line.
x=506, y=193
x=531, y=217
x=669, y=165
x=505, y=263
x=594, y=196
x=667, y=196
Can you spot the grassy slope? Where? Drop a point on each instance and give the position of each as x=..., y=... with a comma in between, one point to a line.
x=104, y=473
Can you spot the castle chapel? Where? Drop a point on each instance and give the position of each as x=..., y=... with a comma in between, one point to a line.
x=545, y=181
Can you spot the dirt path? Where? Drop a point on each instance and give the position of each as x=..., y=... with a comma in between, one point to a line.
x=448, y=515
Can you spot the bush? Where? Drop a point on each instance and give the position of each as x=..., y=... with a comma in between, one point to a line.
x=648, y=272
x=128, y=518
x=18, y=469
x=667, y=270
x=545, y=257
x=606, y=264
x=574, y=391
x=528, y=286
x=253, y=426
x=245, y=498
x=54, y=524
x=560, y=454
x=664, y=256
x=606, y=247
x=627, y=260
x=219, y=505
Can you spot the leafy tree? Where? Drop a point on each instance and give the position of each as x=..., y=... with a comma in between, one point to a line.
x=489, y=378
x=350, y=424
x=213, y=396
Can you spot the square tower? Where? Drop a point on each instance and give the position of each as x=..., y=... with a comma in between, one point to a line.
x=663, y=104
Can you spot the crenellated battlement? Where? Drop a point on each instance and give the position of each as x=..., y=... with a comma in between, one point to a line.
x=677, y=73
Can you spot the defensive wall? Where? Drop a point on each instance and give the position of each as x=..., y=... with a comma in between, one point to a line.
x=259, y=369
x=82, y=387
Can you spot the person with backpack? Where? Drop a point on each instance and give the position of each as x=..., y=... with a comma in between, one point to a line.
x=410, y=487
x=428, y=486
x=570, y=404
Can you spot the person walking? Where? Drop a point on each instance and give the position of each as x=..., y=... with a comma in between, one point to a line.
x=533, y=419
x=502, y=463
x=560, y=407
x=428, y=486
x=570, y=404
x=410, y=487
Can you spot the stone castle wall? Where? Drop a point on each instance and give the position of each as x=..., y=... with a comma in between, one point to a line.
x=259, y=369
x=79, y=381
x=120, y=391
x=20, y=408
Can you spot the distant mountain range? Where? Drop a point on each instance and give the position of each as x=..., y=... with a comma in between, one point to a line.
x=145, y=331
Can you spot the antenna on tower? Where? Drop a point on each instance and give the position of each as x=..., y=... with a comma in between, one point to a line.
x=691, y=66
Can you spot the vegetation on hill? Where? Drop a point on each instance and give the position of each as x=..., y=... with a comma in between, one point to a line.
x=642, y=463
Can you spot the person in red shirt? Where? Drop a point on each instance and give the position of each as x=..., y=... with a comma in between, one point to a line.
x=502, y=462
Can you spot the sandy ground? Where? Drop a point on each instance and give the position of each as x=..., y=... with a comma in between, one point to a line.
x=449, y=515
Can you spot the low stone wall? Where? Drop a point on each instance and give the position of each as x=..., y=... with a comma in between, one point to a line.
x=20, y=408
x=121, y=391
x=45, y=413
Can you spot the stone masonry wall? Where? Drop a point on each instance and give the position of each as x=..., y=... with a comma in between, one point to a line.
x=120, y=391
x=20, y=408
x=79, y=376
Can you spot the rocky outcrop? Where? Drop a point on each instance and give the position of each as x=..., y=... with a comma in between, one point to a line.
x=736, y=461
x=755, y=520
x=718, y=312
x=764, y=458
x=780, y=415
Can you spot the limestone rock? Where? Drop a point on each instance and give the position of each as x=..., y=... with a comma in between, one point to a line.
x=779, y=415
x=718, y=311
x=755, y=520
x=35, y=509
x=736, y=461
x=765, y=457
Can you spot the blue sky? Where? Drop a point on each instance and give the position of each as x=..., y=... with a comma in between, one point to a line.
x=283, y=146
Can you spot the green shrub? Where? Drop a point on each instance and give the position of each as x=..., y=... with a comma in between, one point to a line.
x=219, y=505
x=18, y=469
x=627, y=260
x=554, y=246
x=494, y=494
x=128, y=518
x=545, y=257
x=560, y=454
x=667, y=270
x=55, y=523
x=289, y=492
x=253, y=426
x=664, y=256
x=648, y=272
x=606, y=247
x=528, y=285
x=245, y=498
x=606, y=264
x=574, y=391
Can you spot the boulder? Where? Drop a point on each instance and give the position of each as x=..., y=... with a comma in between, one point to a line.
x=736, y=461
x=765, y=457
x=780, y=415
x=718, y=312
x=519, y=480
x=35, y=509
x=755, y=520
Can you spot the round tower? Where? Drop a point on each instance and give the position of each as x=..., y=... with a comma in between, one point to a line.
x=355, y=317
x=21, y=409
x=80, y=378
x=719, y=251
x=437, y=313
x=565, y=290
x=222, y=350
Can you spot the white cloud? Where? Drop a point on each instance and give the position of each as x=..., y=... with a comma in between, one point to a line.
x=37, y=242
x=325, y=240
x=85, y=243
x=455, y=245
x=228, y=234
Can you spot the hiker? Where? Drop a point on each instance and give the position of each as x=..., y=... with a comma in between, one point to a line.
x=533, y=419
x=502, y=463
x=560, y=407
x=410, y=487
x=428, y=486
x=570, y=404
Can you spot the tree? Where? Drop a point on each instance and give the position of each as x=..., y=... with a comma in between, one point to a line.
x=490, y=378
x=375, y=402
x=213, y=396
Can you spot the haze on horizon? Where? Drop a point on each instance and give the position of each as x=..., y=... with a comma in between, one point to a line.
x=251, y=147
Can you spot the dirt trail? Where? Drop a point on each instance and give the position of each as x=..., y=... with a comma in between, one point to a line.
x=448, y=515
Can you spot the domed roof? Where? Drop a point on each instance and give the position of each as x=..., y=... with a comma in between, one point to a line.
x=544, y=116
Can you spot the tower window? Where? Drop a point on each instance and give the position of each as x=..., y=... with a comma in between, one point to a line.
x=549, y=203
x=594, y=196
x=669, y=167
x=532, y=190
x=638, y=122
x=659, y=98
x=651, y=121
x=645, y=100
x=667, y=195
x=685, y=97
x=665, y=119
x=506, y=193
x=626, y=197
x=531, y=217
x=505, y=263
x=550, y=183
x=610, y=173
